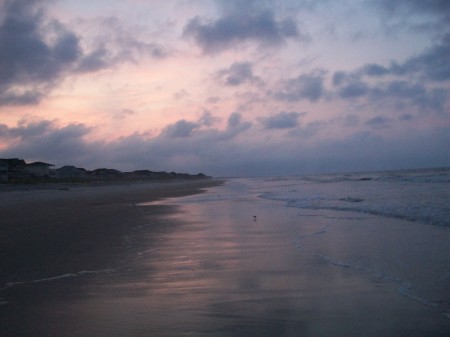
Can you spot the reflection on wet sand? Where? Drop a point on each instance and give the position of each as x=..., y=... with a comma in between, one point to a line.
x=219, y=273
x=210, y=269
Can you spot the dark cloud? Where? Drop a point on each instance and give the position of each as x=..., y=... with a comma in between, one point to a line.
x=416, y=94
x=419, y=81
x=437, y=7
x=45, y=139
x=339, y=77
x=16, y=96
x=222, y=153
x=235, y=126
x=309, y=86
x=238, y=73
x=379, y=122
x=401, y=89
x=240, y=22
x=94, y=61
x=180, y=129
x=376, y=70
x=309, y=130
x=208, y=119
x=234, y=120
x=282, y=120
x=29, y=65
x=185, y=129
x=396, y=93
x=36, y=52
x=27, y=130
x=432, y=64
x=419, y=16
x=354, y=89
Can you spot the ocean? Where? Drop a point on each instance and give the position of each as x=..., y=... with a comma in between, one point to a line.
x=415, y=195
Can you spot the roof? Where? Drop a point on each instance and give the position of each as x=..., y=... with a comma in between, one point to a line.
x=13, y=162
x=40, y=163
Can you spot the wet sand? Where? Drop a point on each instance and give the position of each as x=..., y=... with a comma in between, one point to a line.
x=107, y=265
x=46, y=228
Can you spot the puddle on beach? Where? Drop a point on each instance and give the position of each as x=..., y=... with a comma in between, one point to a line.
x=212, y=269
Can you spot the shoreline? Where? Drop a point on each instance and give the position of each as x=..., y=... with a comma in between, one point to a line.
x=61, y=185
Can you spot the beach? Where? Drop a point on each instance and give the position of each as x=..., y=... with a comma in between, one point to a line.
x=201, y=259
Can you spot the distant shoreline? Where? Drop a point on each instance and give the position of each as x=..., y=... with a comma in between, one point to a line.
x=66, y=184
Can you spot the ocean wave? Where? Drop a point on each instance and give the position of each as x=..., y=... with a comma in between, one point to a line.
x=428, y=215
x=414, y=195
x=431, y=175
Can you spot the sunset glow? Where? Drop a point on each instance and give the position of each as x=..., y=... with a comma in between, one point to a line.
x=226, y=87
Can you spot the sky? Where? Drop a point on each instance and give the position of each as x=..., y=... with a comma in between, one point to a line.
x=226, y=87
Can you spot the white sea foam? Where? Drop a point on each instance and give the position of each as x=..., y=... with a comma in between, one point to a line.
x=419, y=195
x=60, y=277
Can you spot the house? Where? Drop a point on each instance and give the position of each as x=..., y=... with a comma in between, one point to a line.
x=15, y=169
x=106, y=173
x=40, y=169
x=71, y=172
x=3, y=172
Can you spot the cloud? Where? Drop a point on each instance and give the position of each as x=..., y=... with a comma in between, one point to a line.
x=354, y=89
x=238, y=73
x=222, y=152
x=379, y=122
x=309, y=130
x=236, y=124
x=180, y=129
x=235, y=127
x=45, y=139
x=113, y=43
x=184, y=129
x=37, y=52
x=240, y=22
x=436, y=7
x=397, y=93
x=282, y=120
x=374, y=70
x=417, y=16
x=420, y=81
x=208, y=119
x=432, y=65
x=29, y=64
x=421, y=97
x=307, y=86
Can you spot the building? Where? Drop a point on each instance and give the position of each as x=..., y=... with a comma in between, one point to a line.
x=71, y=172
x=3, y=172
x=40, y=169
x=15, y=169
